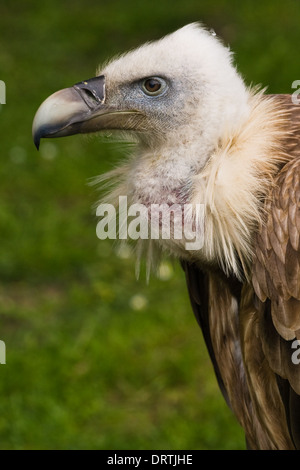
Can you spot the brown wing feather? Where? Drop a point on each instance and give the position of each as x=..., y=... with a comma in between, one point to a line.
x=197, y=283
x=217, y=304
x=276, y=271
x=276, y=275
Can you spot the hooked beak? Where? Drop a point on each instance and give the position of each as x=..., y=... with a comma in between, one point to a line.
x=79, y=110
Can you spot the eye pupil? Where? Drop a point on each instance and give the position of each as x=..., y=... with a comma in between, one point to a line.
x=152, y=85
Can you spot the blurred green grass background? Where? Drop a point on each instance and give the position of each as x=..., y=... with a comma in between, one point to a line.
x=95, y=358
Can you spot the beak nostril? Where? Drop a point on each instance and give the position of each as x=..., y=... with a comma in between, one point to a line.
x=89, y=97
x=92, y=91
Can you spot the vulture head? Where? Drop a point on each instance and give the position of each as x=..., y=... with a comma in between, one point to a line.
x=203, y=137
x=167, y=93
x=179, y=98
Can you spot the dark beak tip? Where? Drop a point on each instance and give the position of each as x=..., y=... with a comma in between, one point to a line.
x=37, y=143
x=36, y=139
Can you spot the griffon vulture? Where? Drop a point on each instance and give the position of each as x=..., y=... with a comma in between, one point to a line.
x=203, y=137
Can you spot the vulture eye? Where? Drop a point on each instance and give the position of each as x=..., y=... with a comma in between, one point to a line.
x=153, y=86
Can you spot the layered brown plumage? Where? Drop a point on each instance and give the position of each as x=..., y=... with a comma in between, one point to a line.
x=249, y=326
